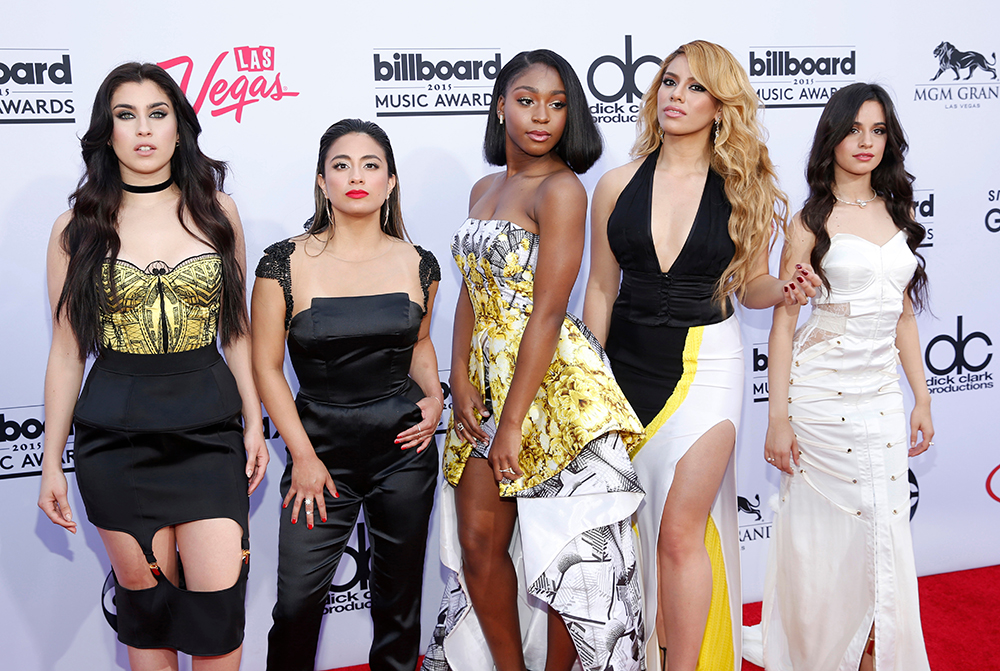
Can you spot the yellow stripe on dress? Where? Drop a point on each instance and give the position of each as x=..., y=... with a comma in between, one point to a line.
x=692, y=346
x=717, y=645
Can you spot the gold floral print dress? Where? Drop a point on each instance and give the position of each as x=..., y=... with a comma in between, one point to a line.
x=573, y=549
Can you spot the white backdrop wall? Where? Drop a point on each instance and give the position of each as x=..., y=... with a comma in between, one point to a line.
x=268, y=78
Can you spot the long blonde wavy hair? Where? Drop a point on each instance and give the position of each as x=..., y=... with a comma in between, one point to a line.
x=739, y=156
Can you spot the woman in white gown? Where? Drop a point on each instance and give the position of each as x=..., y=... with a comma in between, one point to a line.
x=841, y=587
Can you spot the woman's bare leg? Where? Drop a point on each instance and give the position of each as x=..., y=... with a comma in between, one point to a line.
x=132, y=572
x=485, y=528
x=560, y=653
x=212, y=554
x=685, y=589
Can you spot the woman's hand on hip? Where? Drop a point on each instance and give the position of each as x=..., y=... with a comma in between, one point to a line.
x=420, y=435
x=309, y=477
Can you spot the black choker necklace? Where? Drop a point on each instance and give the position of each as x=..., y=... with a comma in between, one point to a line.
x=148, y=189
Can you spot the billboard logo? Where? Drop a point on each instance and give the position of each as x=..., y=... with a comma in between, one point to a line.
x=36, y=86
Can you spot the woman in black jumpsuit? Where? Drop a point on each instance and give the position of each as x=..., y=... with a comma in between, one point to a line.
x=353, y=300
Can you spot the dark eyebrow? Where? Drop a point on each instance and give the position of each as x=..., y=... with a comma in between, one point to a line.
x=532, y=89
x=670, y=74
x=366, y=156
x=132, y=107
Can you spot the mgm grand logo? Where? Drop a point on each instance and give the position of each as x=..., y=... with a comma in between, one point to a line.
x=960, y=92
x=950, y=58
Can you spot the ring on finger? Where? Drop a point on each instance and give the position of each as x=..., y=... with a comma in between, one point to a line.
x=771, y=459
x=507, y=470
x=459, y=426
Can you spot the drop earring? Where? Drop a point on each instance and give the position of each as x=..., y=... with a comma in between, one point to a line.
x=500, y=116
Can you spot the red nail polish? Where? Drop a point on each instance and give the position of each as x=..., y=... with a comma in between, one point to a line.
x=799, y=279
x=798, y=265
x=284, y=505
x=294, y=521
x=324, y=519
x=337, y=495
x=785, y=288
x=310, y=526
x=805, y=272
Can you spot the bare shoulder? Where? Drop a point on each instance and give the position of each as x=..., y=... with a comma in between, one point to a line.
x=481, y=187
x=62, y=221
x=614, y=181
x=229, y=206
x=562, y=184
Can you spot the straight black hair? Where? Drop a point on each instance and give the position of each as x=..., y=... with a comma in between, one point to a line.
x=390, y=214
x=91, y=237
x=889, y=178
x=580, y=145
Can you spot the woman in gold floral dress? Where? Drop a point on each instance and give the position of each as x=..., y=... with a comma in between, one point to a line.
x=536, y=409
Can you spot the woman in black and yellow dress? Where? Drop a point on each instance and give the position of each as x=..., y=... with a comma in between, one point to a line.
x=676, y=233
x=537, y=448
x=146, y=271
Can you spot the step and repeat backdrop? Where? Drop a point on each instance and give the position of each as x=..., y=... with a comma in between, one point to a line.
x=268, y=78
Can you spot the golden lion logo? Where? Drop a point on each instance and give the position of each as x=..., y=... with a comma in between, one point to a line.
x=950, y=58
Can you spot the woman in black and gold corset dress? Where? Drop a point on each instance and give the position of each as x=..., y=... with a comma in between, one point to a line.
x=353, y=301
x=146, y=271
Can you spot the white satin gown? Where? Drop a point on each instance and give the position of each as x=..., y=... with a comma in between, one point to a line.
x=841, y=557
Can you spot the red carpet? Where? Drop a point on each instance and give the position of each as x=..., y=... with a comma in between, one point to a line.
x=959, y=616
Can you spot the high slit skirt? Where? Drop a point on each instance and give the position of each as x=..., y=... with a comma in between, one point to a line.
x=706, y=389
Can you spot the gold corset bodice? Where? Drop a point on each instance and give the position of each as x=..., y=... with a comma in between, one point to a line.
x=162, y=310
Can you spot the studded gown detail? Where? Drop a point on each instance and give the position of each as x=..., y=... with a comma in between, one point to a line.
x=841, y=557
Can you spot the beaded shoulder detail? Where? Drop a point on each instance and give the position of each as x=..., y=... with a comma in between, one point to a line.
x=276, y=265
x=430, y=271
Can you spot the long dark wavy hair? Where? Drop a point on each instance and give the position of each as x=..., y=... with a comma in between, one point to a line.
x=390, y=214
x=91, y=237
x=889, y=179
x=580, y=145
